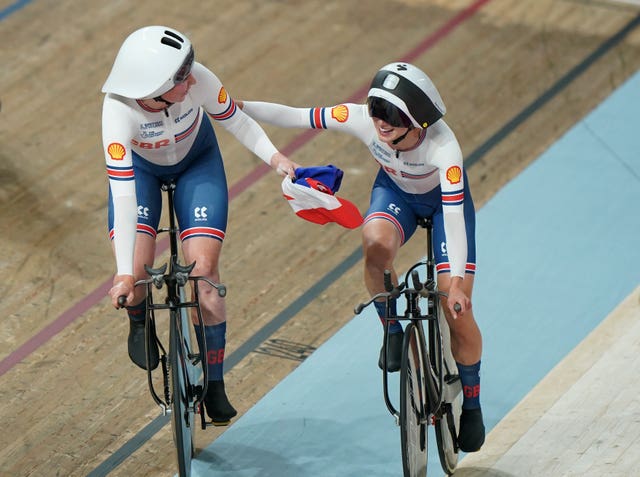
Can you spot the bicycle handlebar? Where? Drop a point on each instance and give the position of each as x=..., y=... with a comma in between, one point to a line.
x=158, y=278
x=394, y=292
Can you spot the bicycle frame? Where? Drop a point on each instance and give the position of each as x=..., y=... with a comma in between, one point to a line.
x=424, y=364
x=174, y=282
x=182, y=393
x=427, y=289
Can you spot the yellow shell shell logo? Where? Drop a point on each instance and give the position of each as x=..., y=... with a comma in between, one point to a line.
x=116, y=151
x=340, y=113
x=222, y=96
x=454, y=173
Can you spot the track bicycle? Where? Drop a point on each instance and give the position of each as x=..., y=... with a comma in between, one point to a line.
x=430, y=387
x=183, y=362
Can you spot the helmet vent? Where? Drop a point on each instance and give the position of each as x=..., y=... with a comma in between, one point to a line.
x=172, y=41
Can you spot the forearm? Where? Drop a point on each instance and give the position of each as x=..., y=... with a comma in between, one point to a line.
x=277, y=114
x=124, y=228
x=252, y=136
x=456, y=236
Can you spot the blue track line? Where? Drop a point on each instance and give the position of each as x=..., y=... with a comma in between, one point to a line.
x=13, y=8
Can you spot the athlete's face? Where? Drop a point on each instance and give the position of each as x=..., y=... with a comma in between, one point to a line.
x=179, y=91
x=386, y=132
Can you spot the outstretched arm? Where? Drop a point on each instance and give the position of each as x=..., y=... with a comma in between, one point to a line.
x=349, y=118
x=277, y=114
x=223, y=109
x=253, y=137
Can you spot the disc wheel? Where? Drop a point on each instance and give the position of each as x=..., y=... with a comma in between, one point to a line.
x=446, y=431
x=446, y=427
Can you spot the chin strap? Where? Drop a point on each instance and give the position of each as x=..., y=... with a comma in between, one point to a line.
x=397, y=140
x=162, y=100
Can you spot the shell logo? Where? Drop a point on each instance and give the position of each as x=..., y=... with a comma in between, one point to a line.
x=222, y=96
x=454, y=173
x=340, y=113
x=116, y=151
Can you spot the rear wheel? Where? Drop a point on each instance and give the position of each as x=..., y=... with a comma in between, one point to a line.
x=446, y=428
x=413, y=421
x=182, y=416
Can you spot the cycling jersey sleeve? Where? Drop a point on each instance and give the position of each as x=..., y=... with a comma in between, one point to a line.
x=450, y=164
x=117, y=131
x=222, y=108
x=350, y=118
x=277, y=114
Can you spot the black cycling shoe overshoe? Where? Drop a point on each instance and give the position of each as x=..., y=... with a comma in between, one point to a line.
x=471, y=435
x=394, y=352
x=135, y=344
x=218, y=407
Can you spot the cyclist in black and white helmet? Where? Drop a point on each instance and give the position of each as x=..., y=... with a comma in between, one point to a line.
x=421, y=174
x=156, y=127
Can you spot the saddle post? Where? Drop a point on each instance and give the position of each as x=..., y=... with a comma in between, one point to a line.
x=169, y=187
x=427, y=224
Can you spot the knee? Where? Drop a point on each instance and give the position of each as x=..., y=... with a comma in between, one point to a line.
x=377, y=250
x=465, y=331
x=206, y=266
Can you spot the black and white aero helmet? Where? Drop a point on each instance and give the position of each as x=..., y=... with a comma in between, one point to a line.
x=151, y=61
x=410, y=90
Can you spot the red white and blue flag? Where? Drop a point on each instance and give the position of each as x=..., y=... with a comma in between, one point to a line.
x=312, y=197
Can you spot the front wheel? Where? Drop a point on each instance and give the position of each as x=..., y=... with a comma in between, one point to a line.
x=413, y=406
x=182, y=417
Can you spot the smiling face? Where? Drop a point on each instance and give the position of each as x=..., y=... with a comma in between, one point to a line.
x=390, y=122
x=388, y=133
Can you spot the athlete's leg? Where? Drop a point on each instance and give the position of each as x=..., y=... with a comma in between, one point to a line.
x=201, y=201
x=205, y=252
x=387, y=223
x=144, y=254
x=466, y=346
x=466, y=340
x=380, y=243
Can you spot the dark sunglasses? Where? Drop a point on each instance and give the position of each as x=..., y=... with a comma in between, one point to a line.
x=185, y=68
x=390, y=114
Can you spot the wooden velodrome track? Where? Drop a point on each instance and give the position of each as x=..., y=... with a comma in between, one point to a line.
x=70, y=397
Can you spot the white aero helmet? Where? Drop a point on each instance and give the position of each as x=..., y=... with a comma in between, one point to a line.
x=410, y=91
x=151, y=61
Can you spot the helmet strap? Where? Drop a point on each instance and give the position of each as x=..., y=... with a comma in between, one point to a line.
x=401, y=138
x=162, y=100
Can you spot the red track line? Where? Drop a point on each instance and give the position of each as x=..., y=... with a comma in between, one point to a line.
x=93, y=298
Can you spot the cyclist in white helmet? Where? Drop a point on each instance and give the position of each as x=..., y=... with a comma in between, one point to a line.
x=421, y=174
x=156, y=128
